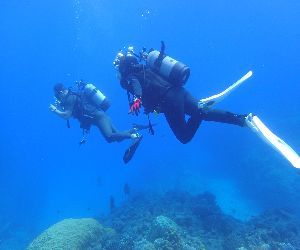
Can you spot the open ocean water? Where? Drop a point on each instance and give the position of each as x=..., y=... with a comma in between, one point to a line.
x=222, y=187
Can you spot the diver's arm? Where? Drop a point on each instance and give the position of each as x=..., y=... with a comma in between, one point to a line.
x=63, y=114
x=134, y=86
x=131, y=84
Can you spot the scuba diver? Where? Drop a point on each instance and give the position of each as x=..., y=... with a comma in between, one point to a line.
x=157, y=85
x=88, y=105
x=153, y=80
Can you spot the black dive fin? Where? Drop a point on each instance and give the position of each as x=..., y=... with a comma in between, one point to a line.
x=129, y=153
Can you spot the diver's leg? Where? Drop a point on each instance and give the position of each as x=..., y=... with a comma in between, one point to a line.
x=192, y=108
x=133, y=130
x=108, y=131
x=216, y=115
x=113, y=128
x=184, y=131
x=190, y=104
x=175, y=115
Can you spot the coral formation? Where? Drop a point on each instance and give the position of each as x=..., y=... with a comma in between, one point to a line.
x=165, y=231
x=275, y=229
x=180, y=221
x=72, y=234
x=173, y=221
x=144, y=245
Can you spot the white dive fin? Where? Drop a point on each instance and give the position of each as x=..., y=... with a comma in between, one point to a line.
x=212, y=100
x=262, y=131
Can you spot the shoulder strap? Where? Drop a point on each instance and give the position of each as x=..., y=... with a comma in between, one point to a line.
x=161, y=56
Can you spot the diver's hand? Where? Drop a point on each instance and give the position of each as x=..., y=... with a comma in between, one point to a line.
x=52, y=108
x=134, y=136
x=135, y=106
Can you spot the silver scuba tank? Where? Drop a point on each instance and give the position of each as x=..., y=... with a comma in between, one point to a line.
x=172, y=70
x=95, y=96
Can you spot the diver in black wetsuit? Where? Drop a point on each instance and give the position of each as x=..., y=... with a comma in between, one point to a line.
x=88, y=106
x=164, y=93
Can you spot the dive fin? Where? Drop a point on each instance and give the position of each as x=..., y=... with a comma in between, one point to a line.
x=212, y=100
x=129, y=153
x=257, y=126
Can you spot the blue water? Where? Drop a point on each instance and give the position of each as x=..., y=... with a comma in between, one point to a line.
x=45, y=176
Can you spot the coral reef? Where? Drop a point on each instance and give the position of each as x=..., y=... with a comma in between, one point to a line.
x=73, y=234
x=180, y=221
x=275, y=229
x=173, y=221
x=165, y=232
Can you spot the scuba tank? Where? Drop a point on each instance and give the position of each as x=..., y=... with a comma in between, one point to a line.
x=172, y=70
x=93, y=95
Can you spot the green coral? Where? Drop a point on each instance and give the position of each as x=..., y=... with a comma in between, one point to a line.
x=75, y=234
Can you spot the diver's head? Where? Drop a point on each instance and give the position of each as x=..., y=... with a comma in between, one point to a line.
x=125, y=61
x=60, y=91
x=118, y=59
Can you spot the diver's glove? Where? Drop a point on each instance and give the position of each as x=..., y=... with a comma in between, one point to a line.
x=135, y=106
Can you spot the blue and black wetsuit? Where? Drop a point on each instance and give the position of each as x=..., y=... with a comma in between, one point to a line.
x=175, y=102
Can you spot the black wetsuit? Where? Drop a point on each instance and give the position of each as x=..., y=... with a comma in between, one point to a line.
x=89, y=115
x=175, y=102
